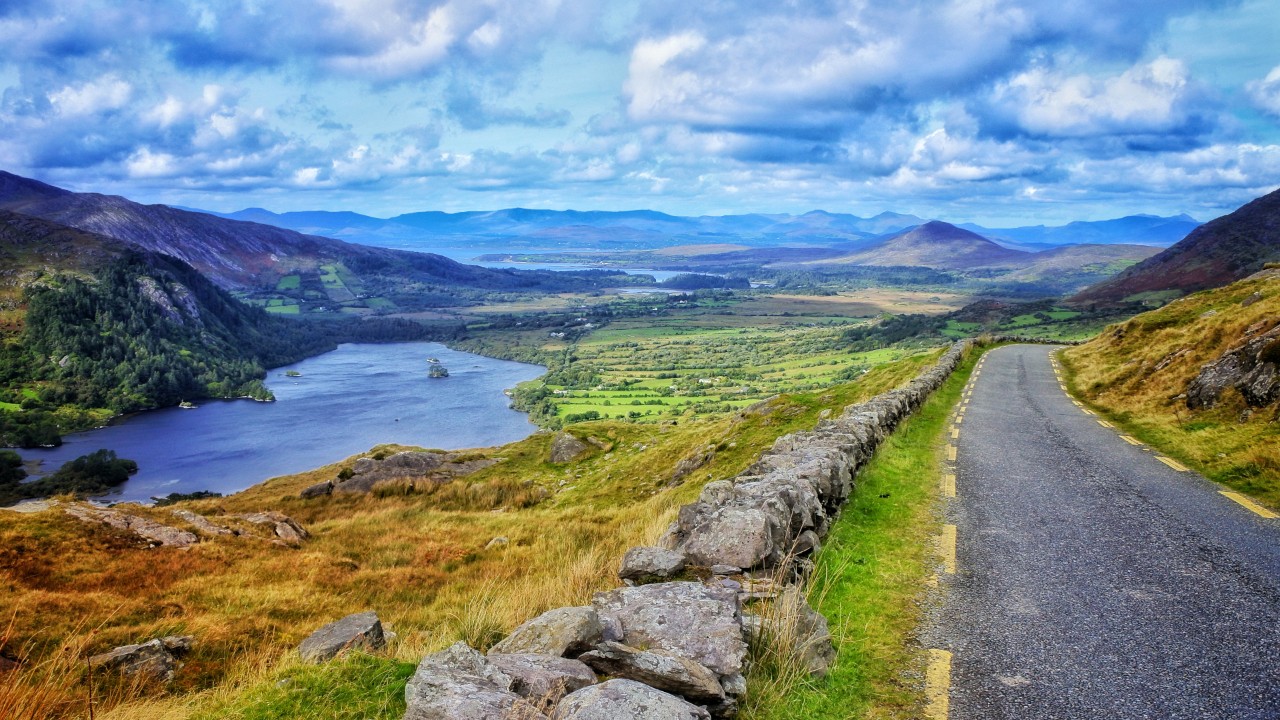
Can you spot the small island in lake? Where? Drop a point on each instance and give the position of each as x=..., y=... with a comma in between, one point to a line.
x=187, y=405
x=292, y=373
x=438, y=371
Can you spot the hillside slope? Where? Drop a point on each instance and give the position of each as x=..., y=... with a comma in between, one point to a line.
x=1142, y=371
x=1214, y=254
x=936, y=245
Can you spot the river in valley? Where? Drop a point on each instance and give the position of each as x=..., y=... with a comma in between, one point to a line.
x=343, y=402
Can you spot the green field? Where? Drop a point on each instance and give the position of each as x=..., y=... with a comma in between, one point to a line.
x=289, y=282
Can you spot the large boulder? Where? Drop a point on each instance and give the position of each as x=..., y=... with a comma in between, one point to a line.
x=567, y=448
x=155, y=660
x=649, y=564
x=1252, y=367
x=458, y=684
x=663, y=671
x=359, y=631
x=626, y=700
x=567, y=632
x=202, y=523
x=791, y=623
x=684, y=619
x=535, y=675
x=285, y=528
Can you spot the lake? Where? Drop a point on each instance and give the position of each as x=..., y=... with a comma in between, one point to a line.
x=345, y=402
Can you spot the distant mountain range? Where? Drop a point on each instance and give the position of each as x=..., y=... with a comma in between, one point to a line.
x=250, y=256
x=1219, y=252
x=519, y=229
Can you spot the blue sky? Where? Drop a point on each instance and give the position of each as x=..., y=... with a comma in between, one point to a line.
x=997, y=112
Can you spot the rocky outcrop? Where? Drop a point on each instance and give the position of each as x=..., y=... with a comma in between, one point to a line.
x=536, y=676
x=567, y=448
x=435, y=467
x=650, y=564
x=626, y=700
x=566, y=632
x=285, y=528
x=155, y=660
x=791, y=617
x=203, y=524
x=458, y=684
x=361, y=631
x=155, y=533
x=1251, y=367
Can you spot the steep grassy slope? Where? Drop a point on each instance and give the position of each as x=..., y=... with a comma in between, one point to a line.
x=422, y=560
x=1214, y=254
x=1138, y=371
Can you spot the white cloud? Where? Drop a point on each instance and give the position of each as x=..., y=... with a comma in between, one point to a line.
x=1149, y=97
x=106, y=93
x=1266, y=92
x=147, y=164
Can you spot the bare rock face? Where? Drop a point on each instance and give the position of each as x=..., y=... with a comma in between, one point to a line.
x=626, y=700
x=567, y=448
x=362, y=631
x=650, y=564
x=285, y=527
x=1252, y=367
x=202, y=523
x=663, y=671
x=428, y=466
x=535, y=675
x=146, y=528
x=154, y=659
x=320, y=489
x=458, y=684
x=684, y=619
x=566, y=632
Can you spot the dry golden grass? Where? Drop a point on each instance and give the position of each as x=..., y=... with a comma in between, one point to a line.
x=1136, y=371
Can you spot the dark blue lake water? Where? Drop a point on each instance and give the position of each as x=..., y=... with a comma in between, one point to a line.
x=345, y=402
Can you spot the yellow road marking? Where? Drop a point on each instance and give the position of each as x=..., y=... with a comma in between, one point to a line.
x=1077, y=403
x=1251, y=505
x=955, y=433
x=1173, y=463
x=1087, y=411
x=1104, y=423
x=937, y=685
x=947, y=548
x=1130, y=439
x=960, y=418
x=948, y=485
x=951, y=453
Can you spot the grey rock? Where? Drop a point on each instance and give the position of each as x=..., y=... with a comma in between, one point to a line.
x=499, y=541
x=146, y=528
x=649, y=564
x=359, y=631
x=663, y=671
x=626, y=700
x=1253, y=298
x=792, y=621
x=318, y=490
x=725, y=570
x=285, y=527
x=1252, y=367
x=202, y=523
x=567, y=448
x=686, y=619
x=155, y=659
x=567, y=632
x=458, y=684
x=535, y=675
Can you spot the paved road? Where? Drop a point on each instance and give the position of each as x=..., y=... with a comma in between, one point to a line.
x=1092, y=580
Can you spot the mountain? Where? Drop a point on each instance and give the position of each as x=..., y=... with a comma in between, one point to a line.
x=1131, y=230
x=1214, y=254
x=251, y=256
x=937, y=245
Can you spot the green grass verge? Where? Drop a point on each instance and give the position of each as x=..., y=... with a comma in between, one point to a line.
x=358, y=687
x=870, y=578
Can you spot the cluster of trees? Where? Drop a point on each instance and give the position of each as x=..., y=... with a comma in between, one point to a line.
x=92, y=474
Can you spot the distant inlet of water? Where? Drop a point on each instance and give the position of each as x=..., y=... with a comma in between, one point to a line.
x=342, y=403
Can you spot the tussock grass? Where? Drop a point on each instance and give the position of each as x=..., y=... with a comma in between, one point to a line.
x=869, y=583
x=1134, y=373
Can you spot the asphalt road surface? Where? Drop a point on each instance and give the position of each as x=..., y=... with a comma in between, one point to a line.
x=1091, y=579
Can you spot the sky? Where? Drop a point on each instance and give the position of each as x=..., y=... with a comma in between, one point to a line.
x=991, y=111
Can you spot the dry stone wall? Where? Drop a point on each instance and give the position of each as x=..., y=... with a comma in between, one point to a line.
x=674, y=638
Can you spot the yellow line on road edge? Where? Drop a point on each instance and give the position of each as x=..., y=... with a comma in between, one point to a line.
x=1106, y=424
x=955, y=433
x=937, y=685
x=951, y=453
x=947, y=548
x=1130, y=439
x=960, y=418
x=948, y=485
x=1247, y=503
x=1173, y=463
